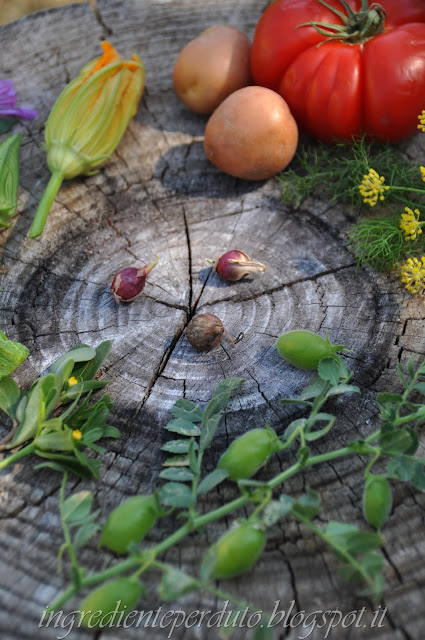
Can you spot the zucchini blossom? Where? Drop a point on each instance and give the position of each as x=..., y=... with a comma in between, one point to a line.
x=88, y=121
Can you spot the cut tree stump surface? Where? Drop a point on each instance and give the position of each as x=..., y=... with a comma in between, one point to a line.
x=159, y=195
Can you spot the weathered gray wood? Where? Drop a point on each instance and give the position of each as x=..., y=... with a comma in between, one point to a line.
x=158, y=195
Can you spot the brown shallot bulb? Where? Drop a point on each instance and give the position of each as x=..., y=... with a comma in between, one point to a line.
x=129, y=282
x=235, y=265
x=205, y=332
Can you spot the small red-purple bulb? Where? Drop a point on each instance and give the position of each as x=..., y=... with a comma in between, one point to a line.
x=235, y=265
x=129, y=282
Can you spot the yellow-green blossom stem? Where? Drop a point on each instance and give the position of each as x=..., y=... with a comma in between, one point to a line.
x=45, y=205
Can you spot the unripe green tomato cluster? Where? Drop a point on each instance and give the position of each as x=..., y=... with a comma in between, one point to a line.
x=129, y=523
x=305, y=349
x=236, y=551
x=104, y=599
x=248, y=453
x=377, y=501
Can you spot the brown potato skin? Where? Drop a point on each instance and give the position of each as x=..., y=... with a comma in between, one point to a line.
x=252, y=134
x=211, y=67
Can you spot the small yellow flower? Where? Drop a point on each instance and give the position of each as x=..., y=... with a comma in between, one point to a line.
x=413, y=274
x=422, y=170
x=421, y=119
x=72, y=380
x=372, y=188
x=76, y=434
x=410, y=224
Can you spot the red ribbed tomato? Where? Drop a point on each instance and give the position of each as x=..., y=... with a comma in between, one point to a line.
x=358, y=68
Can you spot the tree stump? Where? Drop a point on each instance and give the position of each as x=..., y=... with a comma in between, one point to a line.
x=159, y=195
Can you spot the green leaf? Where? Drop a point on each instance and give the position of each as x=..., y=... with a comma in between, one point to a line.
x=176, y=461
x=209, y=428
x=67, y=464
x=401, y=468
x=183, y=427
x=383, y=398
x=54, y=436
x=396, y=441
x=85, y=533
x=82, y=387
x=77, y=506
x=111, y=432
x=88, y=371
x=212, y=480
x=329, y=370
x=307, y=506
x=276, y=510
x=311, y=435
x=411, y=366
x=9, y=396
x=418, y=477
x=313, y=390
x=9, y=177
x=6, y=124
x=176, y=583
x=11, y=354
x=342, y=388
x=221, y=396
x=176, y=494
x=33, y=415
x=178, y=446
x=76, y=354
x=187, y=410
x=420, y=386
x=177, y=474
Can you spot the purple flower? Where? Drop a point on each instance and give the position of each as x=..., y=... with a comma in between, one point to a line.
x=8, y=102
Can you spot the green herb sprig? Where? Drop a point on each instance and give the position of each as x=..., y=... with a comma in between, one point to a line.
x=357, y=550
x=362, y=173
x=53, y=419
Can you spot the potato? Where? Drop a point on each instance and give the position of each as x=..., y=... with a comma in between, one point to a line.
x=211, y=67
x=252, y=134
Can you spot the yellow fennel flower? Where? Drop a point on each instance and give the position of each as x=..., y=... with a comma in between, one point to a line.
x=372, y=187
x=76, y=434
x=422, y=170
x=410, y=224
x=88, y=121
x=413, y=274
x=72, y=381
x=421, y=119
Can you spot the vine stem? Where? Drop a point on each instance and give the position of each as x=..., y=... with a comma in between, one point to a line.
x=196, y=523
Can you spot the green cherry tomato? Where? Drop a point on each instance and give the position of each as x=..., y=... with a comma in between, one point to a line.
x=115, y=596
x=248, y=453
x=129, y=523
x=377, y=501
x=305, y=349
x=235, y=552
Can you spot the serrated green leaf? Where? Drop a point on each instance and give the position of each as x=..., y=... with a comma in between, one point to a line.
x=418, y=477
x=329, y=370
x=221, y=396
x=183, y=427
x=177, y=474
x=178, y=446
x=420, y=386
x=411, y=366
x=401, y=468
x=187, y=410
x=176, y=494
x=77, y=506
x=212, y=480
x=313, y=390
x=176, y=583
